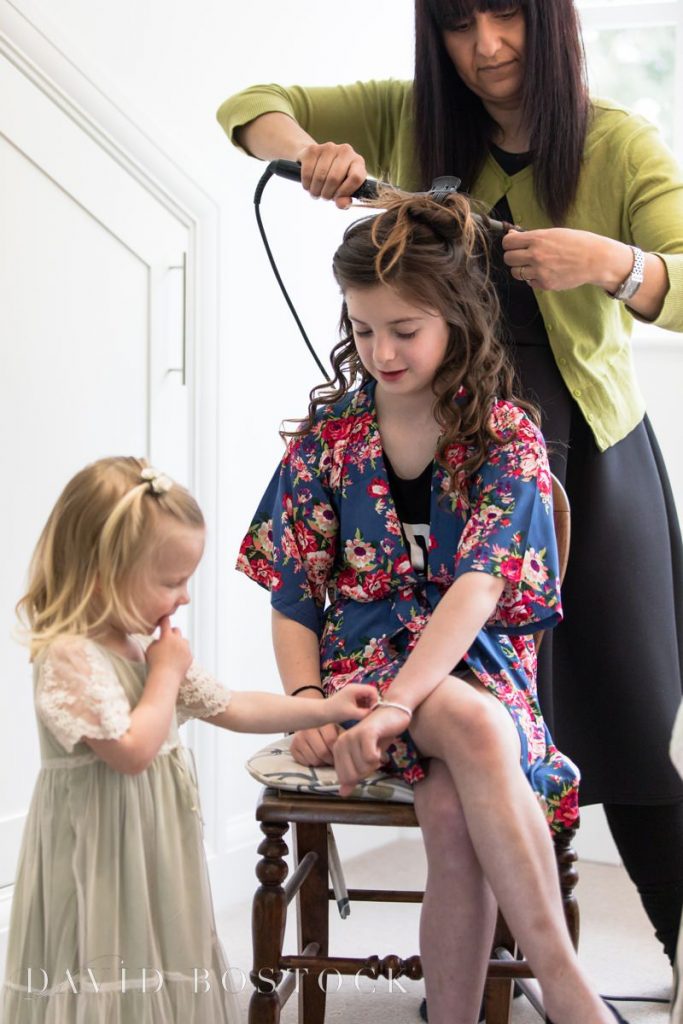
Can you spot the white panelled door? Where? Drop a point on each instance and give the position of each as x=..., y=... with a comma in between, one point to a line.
x=93, y=354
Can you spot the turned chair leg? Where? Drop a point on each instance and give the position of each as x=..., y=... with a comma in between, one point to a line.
x=313, y=918
x=569, y=876
x=268, y=917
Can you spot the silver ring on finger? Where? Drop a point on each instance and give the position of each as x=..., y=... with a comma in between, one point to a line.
x=521, y=274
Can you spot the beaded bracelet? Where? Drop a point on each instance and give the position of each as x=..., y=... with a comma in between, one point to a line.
x=307, y=687
x=382, y=703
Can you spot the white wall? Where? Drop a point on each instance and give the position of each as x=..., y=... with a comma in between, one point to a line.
x=168, y=64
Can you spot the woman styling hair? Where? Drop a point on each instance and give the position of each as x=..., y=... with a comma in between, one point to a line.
x=499, y=98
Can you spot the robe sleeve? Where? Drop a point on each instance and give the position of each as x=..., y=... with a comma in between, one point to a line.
x=78, y=693
x=510, y=531
x=291, y=546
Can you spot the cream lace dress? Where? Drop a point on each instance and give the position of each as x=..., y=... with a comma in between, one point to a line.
x=112, y=875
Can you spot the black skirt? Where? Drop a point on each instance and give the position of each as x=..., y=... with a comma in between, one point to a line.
x=610, y=674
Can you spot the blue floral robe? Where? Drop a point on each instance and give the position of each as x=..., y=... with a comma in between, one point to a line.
x=327, y=543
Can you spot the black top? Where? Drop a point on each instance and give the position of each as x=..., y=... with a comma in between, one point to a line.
x=520, y=309
x=412, y=499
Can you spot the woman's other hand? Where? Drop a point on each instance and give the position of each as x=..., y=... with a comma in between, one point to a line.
x=557, y=259
x=331, y=171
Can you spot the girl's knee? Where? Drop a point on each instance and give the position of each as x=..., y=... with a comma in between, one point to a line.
x=472, y=723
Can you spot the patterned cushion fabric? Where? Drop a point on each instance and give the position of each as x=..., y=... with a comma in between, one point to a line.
x=274, y=766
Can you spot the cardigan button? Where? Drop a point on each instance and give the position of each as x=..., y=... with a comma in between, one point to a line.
x=577, y=392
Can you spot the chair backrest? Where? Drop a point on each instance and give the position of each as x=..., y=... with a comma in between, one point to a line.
x=562, y=521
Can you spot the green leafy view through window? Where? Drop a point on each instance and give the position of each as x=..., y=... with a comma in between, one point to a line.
x=635, y=67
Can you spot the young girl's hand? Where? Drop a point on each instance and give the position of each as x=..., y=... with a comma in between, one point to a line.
x=354, y=701
x=171, y=652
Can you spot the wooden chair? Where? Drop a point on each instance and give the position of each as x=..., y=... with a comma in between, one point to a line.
x=312, y=816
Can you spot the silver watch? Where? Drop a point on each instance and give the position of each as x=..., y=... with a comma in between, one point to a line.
x=630, y=285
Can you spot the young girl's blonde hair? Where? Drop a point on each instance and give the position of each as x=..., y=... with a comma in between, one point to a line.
x=98, y=533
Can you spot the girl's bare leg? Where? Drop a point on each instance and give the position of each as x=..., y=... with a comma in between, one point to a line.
x=459, y=909
x=469, y=730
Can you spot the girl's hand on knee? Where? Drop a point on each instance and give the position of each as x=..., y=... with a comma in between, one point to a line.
x=359, y=751
x=170, y=652
x=314, y=747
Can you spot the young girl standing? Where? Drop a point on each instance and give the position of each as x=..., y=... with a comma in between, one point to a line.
x=418, y=506
x=111, y=918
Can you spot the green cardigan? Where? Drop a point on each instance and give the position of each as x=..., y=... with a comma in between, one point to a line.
x=631, y=189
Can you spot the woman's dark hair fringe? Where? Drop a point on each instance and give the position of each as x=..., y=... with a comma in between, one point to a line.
x=452, y=126
x=435, y=255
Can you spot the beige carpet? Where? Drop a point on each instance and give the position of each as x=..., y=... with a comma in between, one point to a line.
x=617, y=944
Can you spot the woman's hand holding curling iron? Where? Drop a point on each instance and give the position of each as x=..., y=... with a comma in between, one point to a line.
x=331, y=171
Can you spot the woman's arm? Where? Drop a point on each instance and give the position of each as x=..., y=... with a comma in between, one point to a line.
x=328, y=170
x=557, y=259
x=273, y=136
x=335, y=131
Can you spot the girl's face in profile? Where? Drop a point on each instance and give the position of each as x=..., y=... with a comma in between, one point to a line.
x=400, y=344
x=160, y=586
x=487, y=49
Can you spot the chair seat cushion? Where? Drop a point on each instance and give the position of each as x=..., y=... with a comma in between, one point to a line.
x=274, y=766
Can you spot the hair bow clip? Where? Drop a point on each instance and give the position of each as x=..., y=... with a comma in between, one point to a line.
x=158, y=481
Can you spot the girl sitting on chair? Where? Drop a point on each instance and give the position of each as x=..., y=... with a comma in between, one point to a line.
x=407, y=541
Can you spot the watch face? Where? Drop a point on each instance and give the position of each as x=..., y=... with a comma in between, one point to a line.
x=629, y=288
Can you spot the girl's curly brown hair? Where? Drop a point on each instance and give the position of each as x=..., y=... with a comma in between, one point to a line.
x=435, y=254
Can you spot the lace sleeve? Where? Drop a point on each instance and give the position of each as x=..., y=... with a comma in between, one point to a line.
x=79, y=695
x=200, y=695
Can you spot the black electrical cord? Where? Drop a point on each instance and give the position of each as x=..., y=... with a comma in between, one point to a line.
x=267, y=175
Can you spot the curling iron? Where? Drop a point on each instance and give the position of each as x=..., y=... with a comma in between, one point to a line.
x=441, y=187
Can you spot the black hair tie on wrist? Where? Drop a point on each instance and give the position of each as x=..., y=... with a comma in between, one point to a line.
x=301, y=689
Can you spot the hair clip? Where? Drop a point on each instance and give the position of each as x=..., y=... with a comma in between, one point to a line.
x=158, y=481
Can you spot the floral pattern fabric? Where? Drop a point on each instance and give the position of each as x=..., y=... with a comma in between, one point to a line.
x=327, y=543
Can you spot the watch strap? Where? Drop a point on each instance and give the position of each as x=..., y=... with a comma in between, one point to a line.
x=630, y=285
